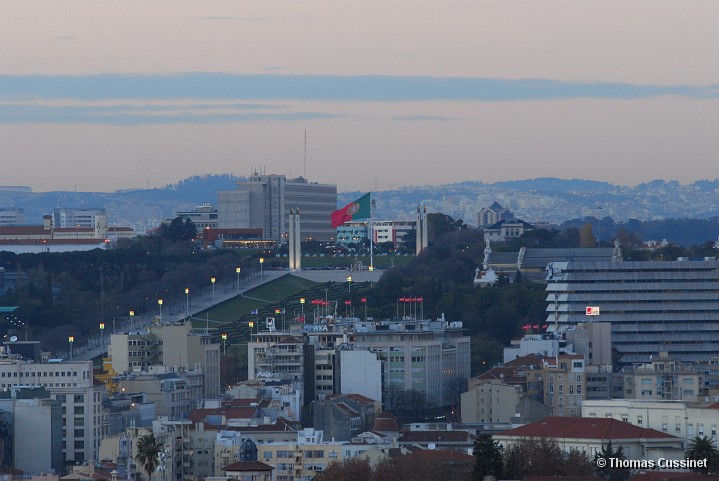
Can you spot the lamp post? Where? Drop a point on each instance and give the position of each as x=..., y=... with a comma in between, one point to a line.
x=349, y=283
x=212, y=280
x=262, y=274
x=302, y=303
x=159, y=303
x=238, y=280
x=224, y=343
x=102, y=332
x=70, y=340
x=132, y=316
x=187, y=303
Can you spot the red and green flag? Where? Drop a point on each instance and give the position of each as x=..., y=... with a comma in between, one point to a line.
x=359, y=209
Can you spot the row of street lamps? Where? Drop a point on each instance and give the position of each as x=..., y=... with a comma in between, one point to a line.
x=238, y=270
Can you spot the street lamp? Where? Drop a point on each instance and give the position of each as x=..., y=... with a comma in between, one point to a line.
x=349, y=283
x=159, y=303
x=187, y=303
x=102, y=332
x=71, y=339
x=132, y=316
x=302, y=303
x=238, y=280
x=224, y=343
x=262, y=274
x=212, y=280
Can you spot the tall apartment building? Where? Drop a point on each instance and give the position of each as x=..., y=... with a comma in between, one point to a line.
x=70, y=383
x=169, y=345
x=264, y=202
x=653, y=307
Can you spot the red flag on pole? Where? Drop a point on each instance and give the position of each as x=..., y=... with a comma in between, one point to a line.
x=536, y=326
x=419, y=299
x=363, y=300
x=348, y=302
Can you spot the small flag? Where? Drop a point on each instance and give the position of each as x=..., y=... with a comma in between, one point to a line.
x=255, y=311
x=252, y=324
x=419, y=299
x=283, y=310
x=544, y=326
x=348, y=302
x=277, y=311
x=301, y=318
x=363, y=300
x=536, y=326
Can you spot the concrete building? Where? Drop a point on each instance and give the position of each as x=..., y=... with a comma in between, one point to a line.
x=173, y=345
x=679, y=418
x=652, y=307
x=431, y=357
x=491, y=402
x=47, y=237
x=264, y=202
x=382, y=231
x=344, y=416
x=204, y=216
x=506, y=230
x=564, y=379
x=663, y=378
x=71, y=384
x=78, y=217
x=360, y=373
x=11, y=216
x=491, y=215
x=32, y=430
x=174, y=393
x=310, y=454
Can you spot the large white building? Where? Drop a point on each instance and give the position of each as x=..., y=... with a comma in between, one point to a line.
x=652, y=306
x=264, y=202
x=70, y=383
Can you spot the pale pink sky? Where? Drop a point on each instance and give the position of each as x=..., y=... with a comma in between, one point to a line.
x=643, y=42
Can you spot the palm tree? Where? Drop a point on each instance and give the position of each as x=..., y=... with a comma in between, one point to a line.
x=148, y=453
x=703, y=448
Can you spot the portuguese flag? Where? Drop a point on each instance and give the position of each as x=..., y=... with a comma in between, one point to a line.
x=359, y=209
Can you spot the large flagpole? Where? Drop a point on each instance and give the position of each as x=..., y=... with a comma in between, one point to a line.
x=371, y=236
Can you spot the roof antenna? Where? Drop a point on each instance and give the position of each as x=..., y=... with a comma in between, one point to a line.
x=304, y=171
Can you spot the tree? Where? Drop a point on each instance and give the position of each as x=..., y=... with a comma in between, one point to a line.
x=487, y=458
x=354, y=469
x=577, y=463
x=533, y=457
x=609, y=473
x=702, y=447
x=148, y=453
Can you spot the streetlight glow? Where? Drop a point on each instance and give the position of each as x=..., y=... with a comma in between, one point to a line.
x=237, y=270
x=262, y=274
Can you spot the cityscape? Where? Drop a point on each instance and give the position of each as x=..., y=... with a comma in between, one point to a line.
x=324, y=337
x=359, y=241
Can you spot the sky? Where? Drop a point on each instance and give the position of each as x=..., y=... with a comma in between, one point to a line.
x=98, y=96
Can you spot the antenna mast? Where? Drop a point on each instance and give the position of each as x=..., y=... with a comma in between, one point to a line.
x=304, y=171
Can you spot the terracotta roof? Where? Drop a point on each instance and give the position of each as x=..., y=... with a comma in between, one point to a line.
x=528, y=360
x=713, y=406
x=385, y=422
x=440, y=455
x=562, y=478
x=434, y=436
x=23, y=230
x=584, y=428
x=245, y=466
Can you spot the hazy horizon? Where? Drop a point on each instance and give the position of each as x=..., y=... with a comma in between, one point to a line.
x=99, y=97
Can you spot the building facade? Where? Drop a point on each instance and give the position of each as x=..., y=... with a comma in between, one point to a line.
x=652, y=307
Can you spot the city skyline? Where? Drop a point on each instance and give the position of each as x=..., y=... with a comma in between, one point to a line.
x=95, y=98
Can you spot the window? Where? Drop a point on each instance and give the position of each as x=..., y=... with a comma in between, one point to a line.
x=267, y=455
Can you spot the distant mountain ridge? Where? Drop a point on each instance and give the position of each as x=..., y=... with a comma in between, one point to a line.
x=545, y=199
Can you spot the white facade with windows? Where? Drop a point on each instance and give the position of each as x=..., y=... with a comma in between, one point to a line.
x=71, y=383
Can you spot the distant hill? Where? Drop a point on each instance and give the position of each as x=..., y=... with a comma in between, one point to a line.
x=545, y=199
